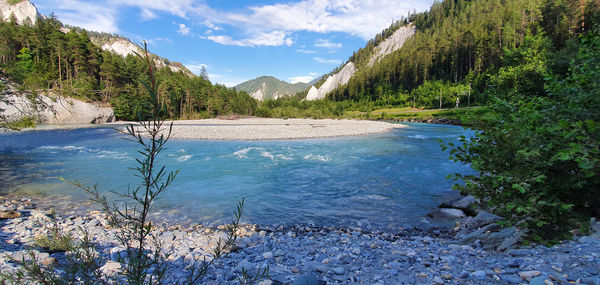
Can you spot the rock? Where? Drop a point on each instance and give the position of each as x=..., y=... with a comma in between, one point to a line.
x=529, y=274
x=9, y=214
x=540, y=280
x=479, y=274
x=48, y=261
x=464, y=203
x=265, y=282
x=492, y=237
x=447, y=276
x=110, y=268
x=438, y=280
x=339, y=270
x=590, y=280
x=267, y=255
x=482, y=219
x=308, y=279
x=446, y=214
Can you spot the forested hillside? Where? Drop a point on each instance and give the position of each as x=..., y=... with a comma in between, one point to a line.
x=42, y=56
x=459, y=46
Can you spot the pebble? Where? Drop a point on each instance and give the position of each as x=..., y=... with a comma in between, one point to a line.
x=529, y=274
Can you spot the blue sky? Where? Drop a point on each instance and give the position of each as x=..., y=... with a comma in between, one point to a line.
x=241, y=40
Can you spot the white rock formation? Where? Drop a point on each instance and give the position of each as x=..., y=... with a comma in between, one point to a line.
x=393, y=43
x=121, y=47
x=332, y=82
x=56, y=110
x=50, y=108
x=260, y=93
x=23, y=10
x=389, y=45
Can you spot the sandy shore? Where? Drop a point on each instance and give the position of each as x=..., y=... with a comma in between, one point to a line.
x=275, y=129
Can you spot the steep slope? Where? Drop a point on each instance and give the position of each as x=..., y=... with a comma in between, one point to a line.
x=387, y=46
x=22, y=11
x=268, y=87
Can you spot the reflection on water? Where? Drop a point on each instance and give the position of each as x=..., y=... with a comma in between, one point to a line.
x=385, y=181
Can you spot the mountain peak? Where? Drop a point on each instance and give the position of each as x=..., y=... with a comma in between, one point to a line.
x=22, y=10
x=269, y=87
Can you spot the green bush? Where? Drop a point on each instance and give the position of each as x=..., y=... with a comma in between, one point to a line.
x=538, y=155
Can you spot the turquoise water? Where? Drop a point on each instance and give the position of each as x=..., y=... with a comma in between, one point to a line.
x=382, y=181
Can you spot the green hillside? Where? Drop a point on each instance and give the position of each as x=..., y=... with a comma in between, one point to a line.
x=272, y=86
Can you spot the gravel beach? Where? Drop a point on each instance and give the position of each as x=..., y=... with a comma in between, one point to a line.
x=275, y=129
x=308, y=254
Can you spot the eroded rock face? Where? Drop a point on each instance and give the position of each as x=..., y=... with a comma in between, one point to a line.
x=23, y=10
x=51, y=108
x=389, y=45
x=332, y=82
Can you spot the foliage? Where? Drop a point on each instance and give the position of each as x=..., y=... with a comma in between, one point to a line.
x=538, y=157
x=43, y=56
x=23, y=122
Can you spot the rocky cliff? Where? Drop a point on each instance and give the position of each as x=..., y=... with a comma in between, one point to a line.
x=49, y=108
x=389, y=45
x=22, y=11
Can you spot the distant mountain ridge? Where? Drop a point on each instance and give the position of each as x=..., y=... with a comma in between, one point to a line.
x=269, y=87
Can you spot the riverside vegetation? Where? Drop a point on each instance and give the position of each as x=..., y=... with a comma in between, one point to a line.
x=143, y=260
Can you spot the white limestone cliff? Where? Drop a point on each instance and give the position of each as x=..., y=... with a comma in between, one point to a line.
x=389, y=45
x=23, y=10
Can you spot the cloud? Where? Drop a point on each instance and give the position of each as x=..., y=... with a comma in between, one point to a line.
x=303, y=79
x=195, y=68
x=328, y=61
x=305, y=51
x=275, y=38
x=91, y=16
x=183, y=30
x=327, y=44
x=363, y=18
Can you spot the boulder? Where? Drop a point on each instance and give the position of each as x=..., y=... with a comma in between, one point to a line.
x=9, y=214
x=492, y=237
x=446, y=214
x=482, y=219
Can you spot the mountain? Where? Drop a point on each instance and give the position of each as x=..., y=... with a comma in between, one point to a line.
x=269, y=87
x=381, y=49
x=22, y=10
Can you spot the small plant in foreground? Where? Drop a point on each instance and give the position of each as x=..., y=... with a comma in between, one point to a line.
x=144, y=259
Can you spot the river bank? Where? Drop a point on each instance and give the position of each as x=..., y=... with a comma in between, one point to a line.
x=310, y=254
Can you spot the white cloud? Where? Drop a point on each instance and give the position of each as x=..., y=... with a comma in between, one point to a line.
x=147, y=14
x=328, y=61
x=363, y=18
x=88, y=15
x=327, y=44
x=305, y=51
x=183, y=30
x=303, y=79
x=275, y=38
x=195, y=68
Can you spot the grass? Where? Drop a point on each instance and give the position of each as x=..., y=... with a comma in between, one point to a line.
x=13, y=2
x=466, y=115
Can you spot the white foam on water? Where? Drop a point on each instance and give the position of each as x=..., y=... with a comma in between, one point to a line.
x=418, y=137
x=68, y=147
x=267, y=154
x=243, y=153
x=184, y=158
x=311, y=156
x=112, y=155
x=284, y=157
